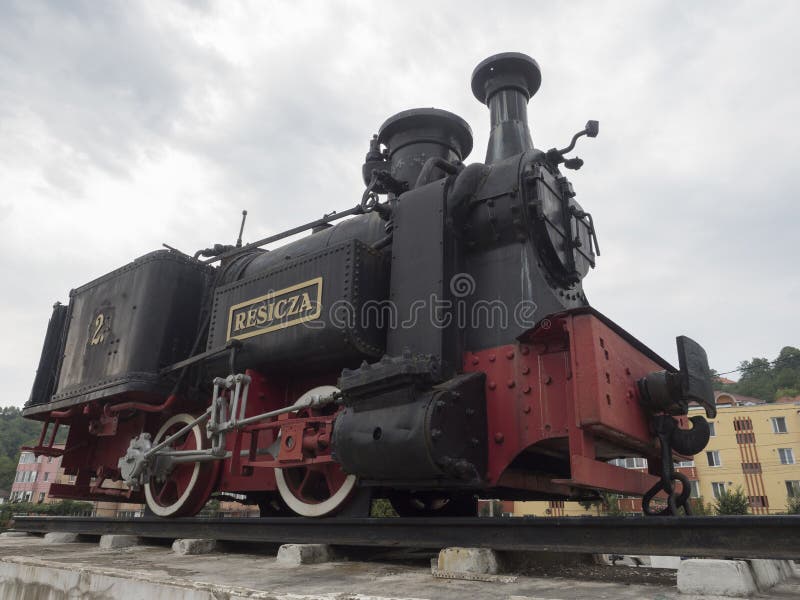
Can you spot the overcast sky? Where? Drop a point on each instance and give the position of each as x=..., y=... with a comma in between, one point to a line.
x=127, y=124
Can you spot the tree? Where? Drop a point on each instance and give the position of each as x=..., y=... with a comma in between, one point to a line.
x=732, y=502
x=14, y=432
x=62, y=507
x=381, y=507
x=793, y=505
x=769, y=380
x=606, y=504
x=699, y=508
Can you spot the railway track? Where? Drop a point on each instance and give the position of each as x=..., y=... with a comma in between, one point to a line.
x=714, y=537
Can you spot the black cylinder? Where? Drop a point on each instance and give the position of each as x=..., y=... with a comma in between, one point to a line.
x=413, y=136
x=505, y=82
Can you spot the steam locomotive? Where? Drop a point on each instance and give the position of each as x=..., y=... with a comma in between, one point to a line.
x=433, y=347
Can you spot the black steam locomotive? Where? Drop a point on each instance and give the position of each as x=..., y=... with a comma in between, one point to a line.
x=433, y=347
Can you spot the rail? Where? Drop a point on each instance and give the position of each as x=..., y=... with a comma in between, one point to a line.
x=715, y=537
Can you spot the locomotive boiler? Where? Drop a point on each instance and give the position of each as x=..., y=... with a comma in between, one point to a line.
x=431, y=345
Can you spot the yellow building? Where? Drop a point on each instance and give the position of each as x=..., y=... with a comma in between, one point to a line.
x=754, y=445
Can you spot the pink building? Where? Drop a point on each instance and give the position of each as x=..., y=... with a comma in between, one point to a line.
x=33, y=478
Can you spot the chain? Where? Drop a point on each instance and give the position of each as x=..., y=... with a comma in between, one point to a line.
x=665, y=425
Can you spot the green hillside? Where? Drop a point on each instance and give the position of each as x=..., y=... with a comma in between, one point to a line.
x=14, y=432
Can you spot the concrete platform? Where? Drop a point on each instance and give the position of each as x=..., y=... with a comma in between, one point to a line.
x=30, y=568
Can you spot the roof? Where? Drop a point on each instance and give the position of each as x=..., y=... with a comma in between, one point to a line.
x=788, y=400
x=738, y=399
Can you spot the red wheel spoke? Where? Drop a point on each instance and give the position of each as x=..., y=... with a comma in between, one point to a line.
x=168, y=485
x=187, y=486
x=301, y=489
x=332, y=479
x=315, y=489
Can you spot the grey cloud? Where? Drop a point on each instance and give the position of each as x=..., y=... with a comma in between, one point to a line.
x=691, y=181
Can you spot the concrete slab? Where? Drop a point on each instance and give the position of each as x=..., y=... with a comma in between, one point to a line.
x=110, y=542
x=711, y=577
x=14, y=534
x=193, y=546
x=304, y=554
x=60, y=537
x=31, y=569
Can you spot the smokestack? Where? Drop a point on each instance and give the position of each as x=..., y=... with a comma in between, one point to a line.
x=505, y=82
x=414, y=136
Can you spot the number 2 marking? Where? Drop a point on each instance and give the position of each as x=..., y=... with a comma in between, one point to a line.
x=98, y=335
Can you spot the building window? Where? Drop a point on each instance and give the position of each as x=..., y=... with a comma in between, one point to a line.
x=694, y=485
x=46, y=476
x=713, y=458
x=779, y=425
x=684, y=463
x=712, y=429
x=33, y=475
x=758, y=501
x=751, y=467
x=746, y=438
x=786, y=455
x=793, y=488
x=718, y=488
x=744, y=424
x=41, y=497
x=635, y=462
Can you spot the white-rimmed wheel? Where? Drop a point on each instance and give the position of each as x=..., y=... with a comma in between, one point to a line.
x=315, y=490
x=187, y=487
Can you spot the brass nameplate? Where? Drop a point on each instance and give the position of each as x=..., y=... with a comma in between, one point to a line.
x=276, y=310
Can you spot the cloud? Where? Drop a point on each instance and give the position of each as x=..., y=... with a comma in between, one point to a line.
x=125, y=125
